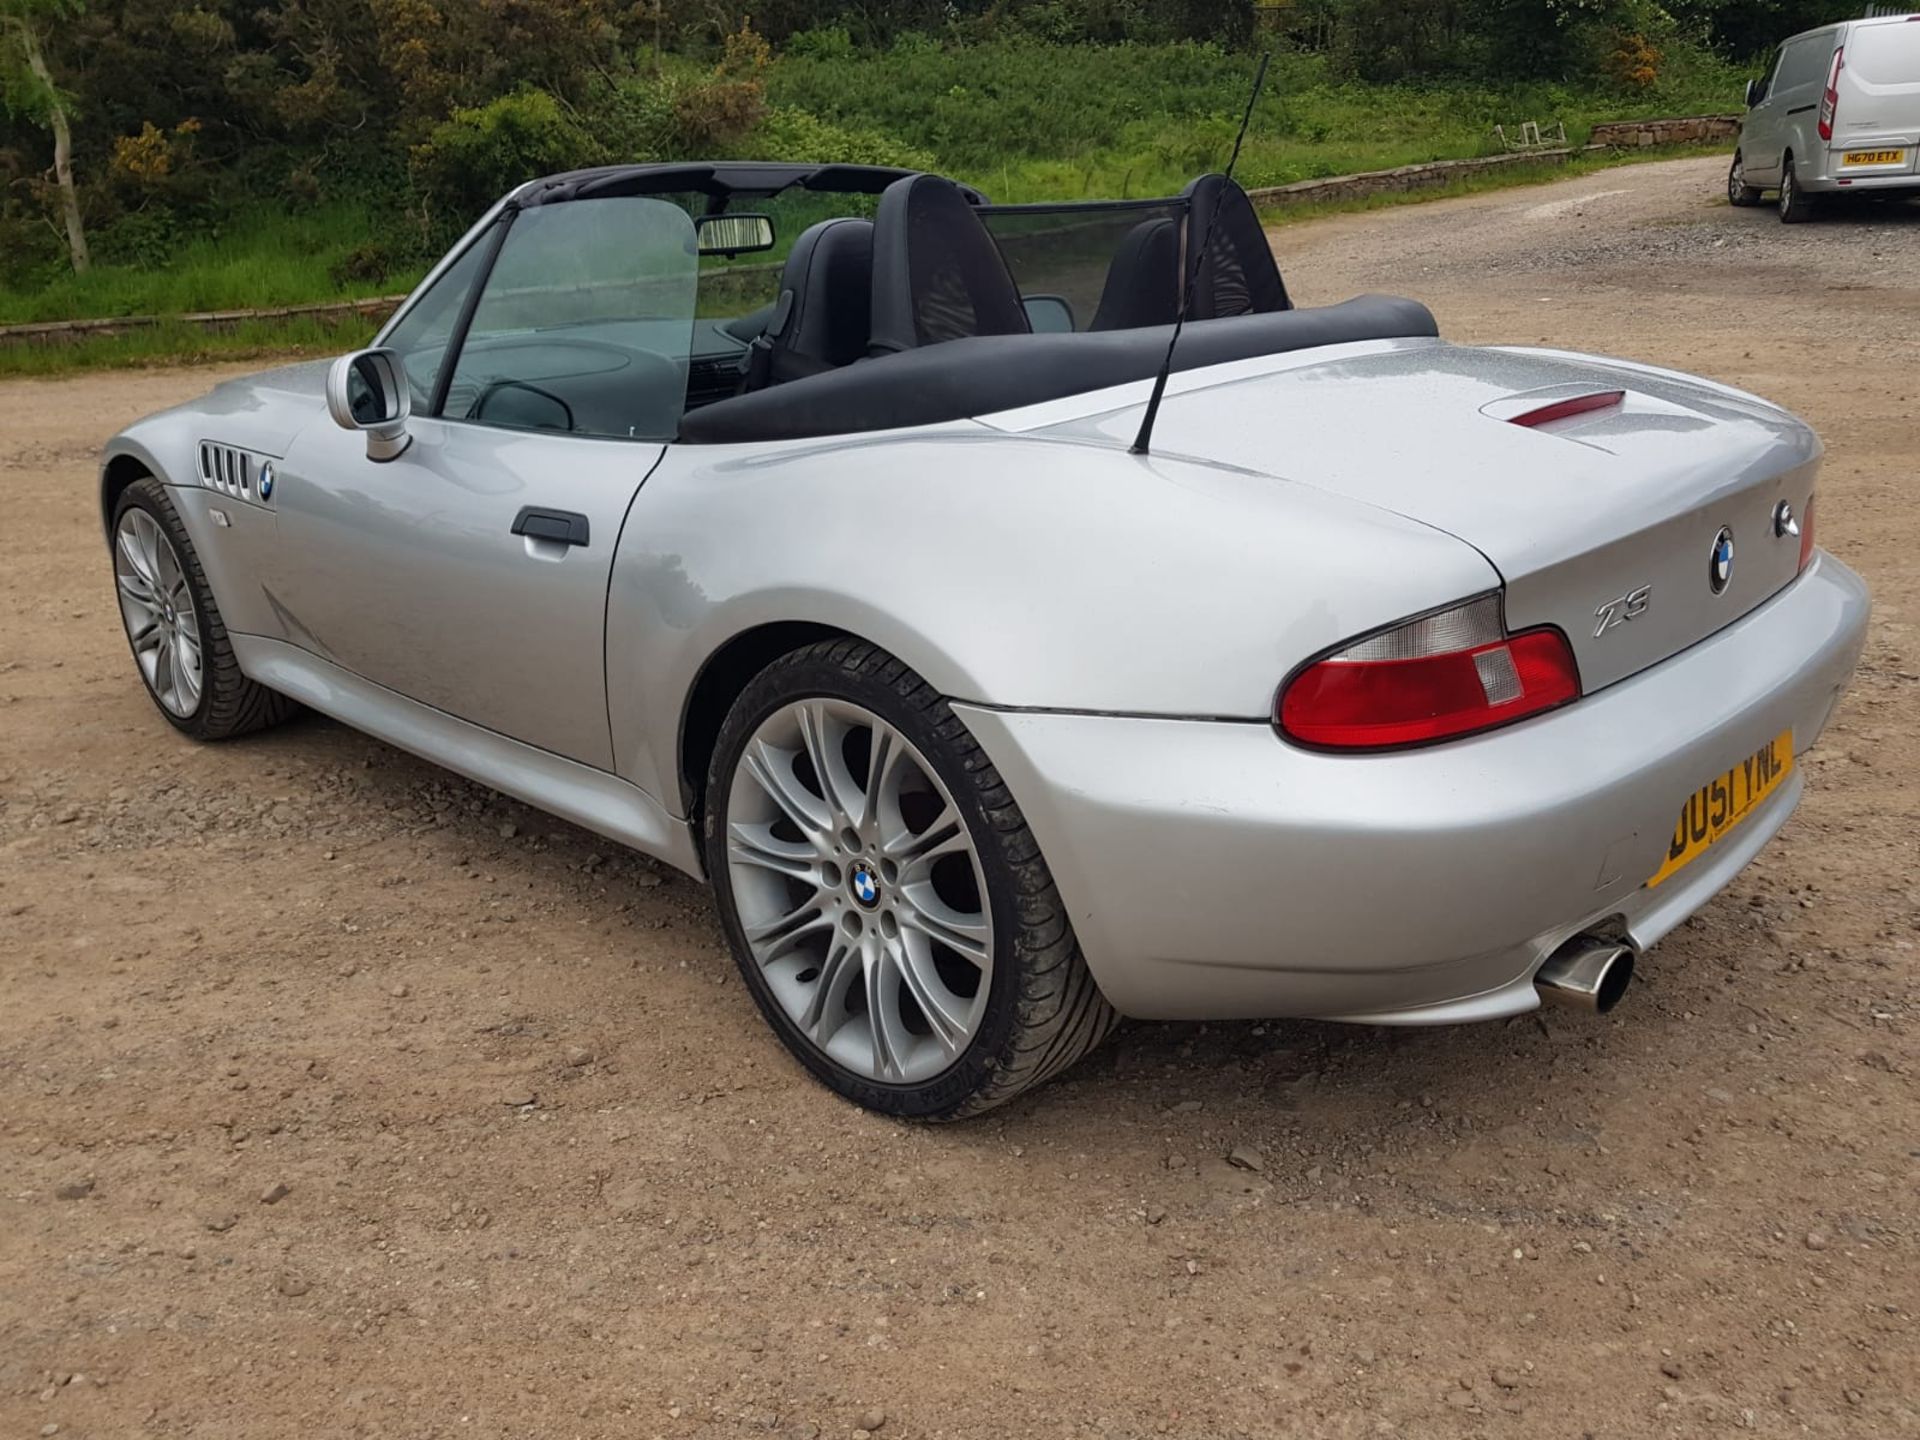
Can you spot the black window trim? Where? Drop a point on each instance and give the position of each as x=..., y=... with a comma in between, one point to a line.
x=457, y=337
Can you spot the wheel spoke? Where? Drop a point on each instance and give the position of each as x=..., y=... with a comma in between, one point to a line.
x=772, y=771
x=186, y=670
x=883, y=771
x=130, y=548
x=774, y=938
x=829, y=1001
x=890, y=1038
x=920, y=849
x=965, y=935
x=923, y=982
x=135, y=590
x=758, y=845
x=829, y=766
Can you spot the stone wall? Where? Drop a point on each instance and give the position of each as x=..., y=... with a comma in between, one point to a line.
x=1404, y=177
x=1693, y=130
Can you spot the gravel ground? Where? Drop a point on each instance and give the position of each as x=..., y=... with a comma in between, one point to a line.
x=340, y=1097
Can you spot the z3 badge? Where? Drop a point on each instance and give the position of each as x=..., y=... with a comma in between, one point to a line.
x=1616, y=612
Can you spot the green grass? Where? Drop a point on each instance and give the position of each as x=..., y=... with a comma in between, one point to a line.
x=174, y=343
x=262, y=257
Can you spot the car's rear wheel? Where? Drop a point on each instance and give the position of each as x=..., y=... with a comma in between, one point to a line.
x=1738, y=191
x=1796, y=205
x=886, y=902
x=179, y=643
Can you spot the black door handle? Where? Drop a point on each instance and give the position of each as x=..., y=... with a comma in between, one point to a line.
x=567, y=526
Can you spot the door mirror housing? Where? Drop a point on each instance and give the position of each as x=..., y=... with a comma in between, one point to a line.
x=1756, y=92
x=367, y=391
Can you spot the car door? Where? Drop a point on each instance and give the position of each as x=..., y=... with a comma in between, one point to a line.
x=1760, y=146
x=470, y=573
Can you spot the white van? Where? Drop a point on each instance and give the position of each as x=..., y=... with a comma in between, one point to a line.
x=1839, y=114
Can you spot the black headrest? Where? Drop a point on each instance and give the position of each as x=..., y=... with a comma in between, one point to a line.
x=937, y=274
x=1239, y=276
x=1143, y=281
x=820, y=321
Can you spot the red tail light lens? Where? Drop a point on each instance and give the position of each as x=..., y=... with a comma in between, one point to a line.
x=1830, y=101
x=1436, y=678
x=1806, y=534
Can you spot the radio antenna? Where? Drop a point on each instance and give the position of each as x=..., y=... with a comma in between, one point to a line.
x=1142, y=442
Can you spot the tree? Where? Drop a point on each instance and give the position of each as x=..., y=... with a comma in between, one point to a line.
x=30, y=92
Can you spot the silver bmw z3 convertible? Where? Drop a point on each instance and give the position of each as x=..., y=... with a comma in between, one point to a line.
x=795, y=525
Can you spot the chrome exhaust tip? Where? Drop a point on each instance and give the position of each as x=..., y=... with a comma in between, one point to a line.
x=1589, y=972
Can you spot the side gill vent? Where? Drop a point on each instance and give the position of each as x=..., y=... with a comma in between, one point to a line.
x=226, y=469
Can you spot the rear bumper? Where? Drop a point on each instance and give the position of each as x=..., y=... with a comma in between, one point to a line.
x=1214, y=871
x=1832, y=177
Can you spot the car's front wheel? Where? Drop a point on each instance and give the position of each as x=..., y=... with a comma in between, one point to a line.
x=178, y=640
x=1738, y=191
x=888, y=906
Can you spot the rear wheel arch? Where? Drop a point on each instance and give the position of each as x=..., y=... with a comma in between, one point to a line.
x=726, y=673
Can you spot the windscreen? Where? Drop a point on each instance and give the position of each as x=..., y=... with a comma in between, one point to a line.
x=1113, y=265
x=585, y=322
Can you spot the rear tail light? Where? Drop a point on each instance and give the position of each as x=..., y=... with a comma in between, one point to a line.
x=1830, y=100
x=1806, y=534
x=1444, y=675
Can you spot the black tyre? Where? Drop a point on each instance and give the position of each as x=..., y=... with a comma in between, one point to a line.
x=173, y=625
x=888, y=906
x=1738, y=191
x=1796, y=205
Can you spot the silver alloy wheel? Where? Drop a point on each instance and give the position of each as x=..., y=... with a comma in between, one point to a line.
x=1736, y=179
x=860, y=891
x=156, y=602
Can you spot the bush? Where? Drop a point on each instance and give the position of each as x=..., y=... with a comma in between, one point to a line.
x=470, y=160
x=368, y=264
x=792, y=134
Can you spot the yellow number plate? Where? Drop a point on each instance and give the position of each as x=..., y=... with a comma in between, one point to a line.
x=1723, y=802
x=1875, y=157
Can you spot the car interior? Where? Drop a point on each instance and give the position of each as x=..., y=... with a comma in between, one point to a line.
x=903, y=299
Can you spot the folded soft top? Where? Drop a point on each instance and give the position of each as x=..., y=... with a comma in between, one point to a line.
x=980, y=375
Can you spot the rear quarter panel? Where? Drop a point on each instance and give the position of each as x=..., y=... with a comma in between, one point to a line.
x=1010, y=571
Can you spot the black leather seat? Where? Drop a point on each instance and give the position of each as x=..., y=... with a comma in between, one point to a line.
x=1239, y=276
x=1143, y=279
x=820, y=320
x=937, y=273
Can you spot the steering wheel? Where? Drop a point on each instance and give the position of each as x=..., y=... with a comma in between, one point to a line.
x=523, y=421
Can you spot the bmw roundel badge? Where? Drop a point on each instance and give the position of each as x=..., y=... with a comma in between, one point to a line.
x=266, y=480
x=865, y=885
x=1720, y=562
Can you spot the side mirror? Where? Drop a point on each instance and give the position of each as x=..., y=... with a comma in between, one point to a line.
x=732, y=235
x=367, y=391
x=1048, y=314
x=1756, y=92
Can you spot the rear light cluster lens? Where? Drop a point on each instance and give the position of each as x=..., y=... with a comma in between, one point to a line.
x=1806, y=534
x=1830, y=100
x=1435, y=678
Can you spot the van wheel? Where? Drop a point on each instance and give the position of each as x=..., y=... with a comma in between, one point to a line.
x=1738, y=191
x=1796, y=205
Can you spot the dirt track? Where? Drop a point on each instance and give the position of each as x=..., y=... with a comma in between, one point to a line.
x=547, y=1174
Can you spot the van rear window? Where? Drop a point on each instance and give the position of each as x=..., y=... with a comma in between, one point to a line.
x=1886, y=54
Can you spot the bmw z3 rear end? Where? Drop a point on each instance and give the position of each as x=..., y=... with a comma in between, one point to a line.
x=1394, y=681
